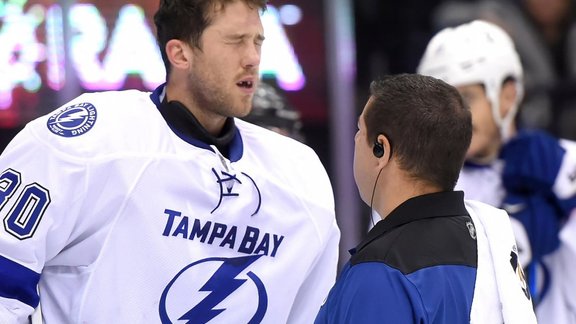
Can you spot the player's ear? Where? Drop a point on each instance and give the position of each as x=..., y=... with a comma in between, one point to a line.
x=508, y=96
x=179, y=54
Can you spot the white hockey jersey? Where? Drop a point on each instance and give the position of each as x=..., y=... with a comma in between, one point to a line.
x=110, y=217
x=544, y=169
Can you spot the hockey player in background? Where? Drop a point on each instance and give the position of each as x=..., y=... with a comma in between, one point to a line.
x=163, y=207
x=529, y=173
x=271, y=109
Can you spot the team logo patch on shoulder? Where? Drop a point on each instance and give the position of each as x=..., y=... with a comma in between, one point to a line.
x=73, y=120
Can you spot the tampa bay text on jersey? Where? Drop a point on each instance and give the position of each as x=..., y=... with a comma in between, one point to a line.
x=248, y=240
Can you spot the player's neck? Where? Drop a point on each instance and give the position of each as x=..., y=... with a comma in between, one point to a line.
x=212, y=123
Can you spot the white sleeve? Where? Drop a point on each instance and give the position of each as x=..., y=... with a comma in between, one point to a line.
x=321, y=275
x=565, y=182
x=566, y=256
x=13, y=312
x=38, y=208
x=320, y=279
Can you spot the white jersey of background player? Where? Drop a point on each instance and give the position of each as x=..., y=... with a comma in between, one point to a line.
x=116, y=209
x=528, y=173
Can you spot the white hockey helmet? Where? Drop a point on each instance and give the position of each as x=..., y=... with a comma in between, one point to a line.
x=477, y=52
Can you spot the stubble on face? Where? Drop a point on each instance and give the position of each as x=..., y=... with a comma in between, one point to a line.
x=219, y=65
x=210, y=91
x=207, y=90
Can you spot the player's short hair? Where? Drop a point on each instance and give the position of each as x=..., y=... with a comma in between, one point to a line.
x=271, y=109
x=186, y=20
x=428, y=125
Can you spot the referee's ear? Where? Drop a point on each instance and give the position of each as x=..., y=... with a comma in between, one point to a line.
x=386, y=150
x=179, y=54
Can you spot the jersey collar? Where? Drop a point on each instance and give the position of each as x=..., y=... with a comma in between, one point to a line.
x=183, y=123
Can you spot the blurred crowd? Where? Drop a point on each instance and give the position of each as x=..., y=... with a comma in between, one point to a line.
x=391, y=37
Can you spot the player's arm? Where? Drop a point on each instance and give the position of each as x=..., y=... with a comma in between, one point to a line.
x=540, y=178
x=540, y=218
x=566, y=256
x=320, y=279
x=310, y=182
x=537, y=163
x=33, y=231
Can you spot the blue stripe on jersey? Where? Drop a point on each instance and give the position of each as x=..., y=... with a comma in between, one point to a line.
x=18, y=282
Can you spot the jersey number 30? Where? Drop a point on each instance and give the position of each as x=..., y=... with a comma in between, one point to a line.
x=26, y=211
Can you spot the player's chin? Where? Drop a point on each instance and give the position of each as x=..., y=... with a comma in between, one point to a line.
x=478, y=156
x=242, y=110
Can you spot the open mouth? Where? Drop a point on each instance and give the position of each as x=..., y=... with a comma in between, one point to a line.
x=245, y=84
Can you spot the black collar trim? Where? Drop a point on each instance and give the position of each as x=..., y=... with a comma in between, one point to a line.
x=185, y=125
x=439, y=204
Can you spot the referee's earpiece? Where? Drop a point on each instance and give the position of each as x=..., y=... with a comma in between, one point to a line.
x=378, y=149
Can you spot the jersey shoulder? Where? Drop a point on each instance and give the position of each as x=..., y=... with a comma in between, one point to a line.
x=280, y=151
x=100, y=123
x=262, y=137
x=291, y=164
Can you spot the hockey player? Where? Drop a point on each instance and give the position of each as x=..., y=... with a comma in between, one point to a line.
x=163, y=207
x=528, y=173
x=433, y=258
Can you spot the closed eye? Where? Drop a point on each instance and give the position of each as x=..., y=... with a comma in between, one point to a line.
x=239, y=39
x=259, y=40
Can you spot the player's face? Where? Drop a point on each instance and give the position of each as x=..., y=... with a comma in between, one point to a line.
x=548, y=12
x=224, y=73
x=365, y=163
x=486, y=140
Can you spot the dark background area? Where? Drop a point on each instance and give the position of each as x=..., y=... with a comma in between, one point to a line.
x=390, y=38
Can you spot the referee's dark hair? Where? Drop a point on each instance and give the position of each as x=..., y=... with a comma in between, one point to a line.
x=427, y=123
x=186, y=20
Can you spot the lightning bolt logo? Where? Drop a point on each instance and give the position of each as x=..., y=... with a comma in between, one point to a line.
x=221, y=285
x=74, y=116
x=74, y=120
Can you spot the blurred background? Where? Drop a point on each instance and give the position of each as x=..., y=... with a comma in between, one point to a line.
x=320, y=55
